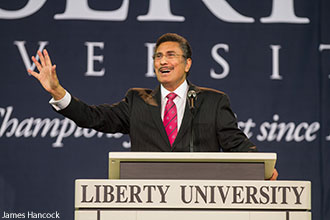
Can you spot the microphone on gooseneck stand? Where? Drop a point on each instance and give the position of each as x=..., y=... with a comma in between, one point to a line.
x=192, y=96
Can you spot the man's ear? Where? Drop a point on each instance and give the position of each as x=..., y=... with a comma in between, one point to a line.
x=188, y=65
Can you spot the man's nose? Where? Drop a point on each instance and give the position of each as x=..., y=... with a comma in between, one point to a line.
x=163, y=60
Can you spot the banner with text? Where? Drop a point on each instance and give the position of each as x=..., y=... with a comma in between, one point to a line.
x=271, y=57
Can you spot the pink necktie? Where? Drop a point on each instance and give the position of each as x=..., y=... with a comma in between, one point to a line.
x=170, y=118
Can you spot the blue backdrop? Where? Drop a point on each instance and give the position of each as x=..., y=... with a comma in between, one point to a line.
x=272, y=58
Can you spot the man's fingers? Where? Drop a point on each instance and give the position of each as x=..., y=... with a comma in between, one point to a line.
x=54, y=70
x=35, y=61
x=275, y=175
x=34, y=74
x=42, y=59
x=47, y=58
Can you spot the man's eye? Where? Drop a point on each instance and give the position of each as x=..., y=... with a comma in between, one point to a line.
x=159, y=56
x=171, y=55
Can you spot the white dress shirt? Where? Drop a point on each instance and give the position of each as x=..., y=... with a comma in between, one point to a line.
x=180, y=101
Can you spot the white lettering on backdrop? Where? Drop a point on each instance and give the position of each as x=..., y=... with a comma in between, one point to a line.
x=282, y=131
x=91, y=58
x=79, y=10
x=54, y=128
x=26, y=59
x=30, y=8
x=276, y=63
x=150, y=52
x=224, y=64
x=64, y=128
x=159, y=10
x=321, y=48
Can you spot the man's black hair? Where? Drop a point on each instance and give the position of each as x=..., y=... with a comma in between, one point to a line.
x=184, y=44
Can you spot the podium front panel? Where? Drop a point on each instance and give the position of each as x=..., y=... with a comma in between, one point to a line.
x=190, y=170
x=193, y=194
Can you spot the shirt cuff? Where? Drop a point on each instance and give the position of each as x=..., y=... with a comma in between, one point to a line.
x=62, y=103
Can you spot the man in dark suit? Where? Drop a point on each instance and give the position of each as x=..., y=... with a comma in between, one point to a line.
x=162, y=119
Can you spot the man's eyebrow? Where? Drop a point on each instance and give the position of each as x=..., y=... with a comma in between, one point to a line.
x=169, y=51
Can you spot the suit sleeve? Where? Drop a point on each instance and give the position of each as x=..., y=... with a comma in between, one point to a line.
x=230, y=137
x=105, y=118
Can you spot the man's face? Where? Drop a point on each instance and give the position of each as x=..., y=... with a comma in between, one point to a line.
x=170, y=65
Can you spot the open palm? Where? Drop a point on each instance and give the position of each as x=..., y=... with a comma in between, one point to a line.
x=47, y=75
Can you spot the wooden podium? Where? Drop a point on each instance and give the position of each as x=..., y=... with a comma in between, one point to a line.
x=143, y=186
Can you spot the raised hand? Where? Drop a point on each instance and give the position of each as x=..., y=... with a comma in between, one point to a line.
x=47, y=75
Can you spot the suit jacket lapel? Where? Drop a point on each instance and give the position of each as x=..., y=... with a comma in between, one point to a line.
x=185, y=125
x=156, y=114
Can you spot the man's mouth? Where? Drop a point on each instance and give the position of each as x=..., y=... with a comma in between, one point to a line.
x=165, y=70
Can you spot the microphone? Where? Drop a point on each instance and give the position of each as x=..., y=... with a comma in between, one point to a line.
x=192, y=96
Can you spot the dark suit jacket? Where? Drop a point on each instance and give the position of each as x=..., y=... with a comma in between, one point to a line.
x=139, y=115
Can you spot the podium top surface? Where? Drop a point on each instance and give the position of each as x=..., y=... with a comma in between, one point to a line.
x=269, y=159
x=196, y=156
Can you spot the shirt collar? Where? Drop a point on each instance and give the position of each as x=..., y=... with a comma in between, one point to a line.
x=181, y=91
